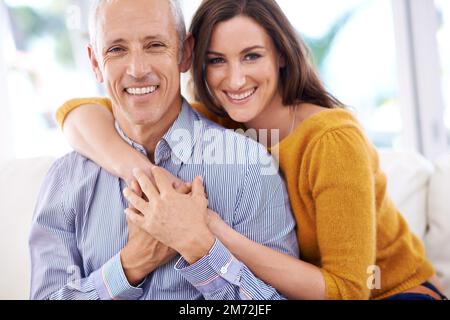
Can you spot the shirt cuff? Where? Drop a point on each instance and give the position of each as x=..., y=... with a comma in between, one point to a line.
x=112, y=284
x=215, y=270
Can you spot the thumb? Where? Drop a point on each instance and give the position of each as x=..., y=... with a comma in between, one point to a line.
x=198, y=188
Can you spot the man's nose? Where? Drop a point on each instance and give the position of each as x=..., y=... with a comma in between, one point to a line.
x=236, y=77
x=138, y=67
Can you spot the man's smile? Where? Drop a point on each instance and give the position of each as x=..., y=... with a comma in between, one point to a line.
x=141, y=90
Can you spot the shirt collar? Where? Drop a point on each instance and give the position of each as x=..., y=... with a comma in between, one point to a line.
x=178, y=141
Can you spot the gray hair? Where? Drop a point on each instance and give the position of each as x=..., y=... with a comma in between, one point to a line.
x=175, y=9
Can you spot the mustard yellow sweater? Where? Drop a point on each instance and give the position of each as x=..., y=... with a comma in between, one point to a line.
x=347, y=225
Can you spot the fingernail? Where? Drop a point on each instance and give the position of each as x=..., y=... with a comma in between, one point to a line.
x=125, y=192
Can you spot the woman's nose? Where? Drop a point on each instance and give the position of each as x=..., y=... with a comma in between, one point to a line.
x=236, y=77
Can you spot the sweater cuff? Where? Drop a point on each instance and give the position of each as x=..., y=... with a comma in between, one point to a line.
x=112, y=284
x=213, y=271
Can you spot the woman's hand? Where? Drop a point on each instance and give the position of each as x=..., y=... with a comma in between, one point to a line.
x=143, y=253
x=177, y=220
x=146, y=166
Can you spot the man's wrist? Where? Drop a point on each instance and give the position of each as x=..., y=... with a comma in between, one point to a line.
x=134, y=274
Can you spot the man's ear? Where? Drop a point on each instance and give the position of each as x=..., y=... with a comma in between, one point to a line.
x=186, y=60
x=94, y=64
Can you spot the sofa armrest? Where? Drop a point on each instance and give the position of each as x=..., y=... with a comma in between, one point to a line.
x=20, y=182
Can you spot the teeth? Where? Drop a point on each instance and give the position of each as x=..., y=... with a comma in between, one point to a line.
x=141, y=91
x=242, y=96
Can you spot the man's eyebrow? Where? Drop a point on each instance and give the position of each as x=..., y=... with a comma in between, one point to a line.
x=114, y=42
x=148, y=38
x=155, y=37
x=242, y=52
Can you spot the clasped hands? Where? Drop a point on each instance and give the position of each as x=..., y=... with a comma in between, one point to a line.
x=163, y=221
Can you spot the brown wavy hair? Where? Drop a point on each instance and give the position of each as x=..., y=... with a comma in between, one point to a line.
x=299, y=81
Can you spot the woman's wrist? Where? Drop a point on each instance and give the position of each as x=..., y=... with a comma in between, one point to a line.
x=220, y=229
x=124, y=168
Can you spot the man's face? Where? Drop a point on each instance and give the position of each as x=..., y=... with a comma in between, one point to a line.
x=137, y=58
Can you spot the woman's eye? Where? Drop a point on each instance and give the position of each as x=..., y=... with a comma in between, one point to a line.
x=215, y=60
x=252, y=57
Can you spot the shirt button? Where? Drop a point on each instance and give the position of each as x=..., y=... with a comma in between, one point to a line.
x=224, y=270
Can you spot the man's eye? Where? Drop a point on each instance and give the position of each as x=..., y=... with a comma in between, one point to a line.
x=115, y=50
x=155, y=45
x=215, y=60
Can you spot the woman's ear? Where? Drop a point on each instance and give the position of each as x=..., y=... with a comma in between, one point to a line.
x=282, y=61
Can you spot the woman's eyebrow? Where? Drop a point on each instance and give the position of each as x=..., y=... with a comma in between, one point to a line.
x=252, y=48
x=242, y=52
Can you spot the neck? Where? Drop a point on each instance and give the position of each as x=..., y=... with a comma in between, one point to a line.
x=150, y=133
x=275, y=117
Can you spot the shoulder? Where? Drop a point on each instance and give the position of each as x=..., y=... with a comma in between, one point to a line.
x=62, y=191
x=338, y=148
x=330, y=127
x=330, y=119
x=73, y=166
x=68, y=176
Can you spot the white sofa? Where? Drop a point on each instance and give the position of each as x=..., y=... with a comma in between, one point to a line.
x=418, y=188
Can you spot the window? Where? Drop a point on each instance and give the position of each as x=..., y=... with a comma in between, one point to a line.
x=443, y=7
x=43, y=70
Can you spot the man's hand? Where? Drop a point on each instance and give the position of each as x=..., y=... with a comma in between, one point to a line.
x=142, y=254
x=180, y=221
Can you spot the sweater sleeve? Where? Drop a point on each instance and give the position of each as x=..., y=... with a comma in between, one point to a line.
x=69, y=106
x=342, y=182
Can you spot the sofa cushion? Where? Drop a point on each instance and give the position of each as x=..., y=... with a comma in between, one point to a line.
x=20, y=181
x=438, y=237
x=408, y=176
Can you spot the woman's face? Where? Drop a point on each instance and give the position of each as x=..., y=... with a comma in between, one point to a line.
x=242, y=68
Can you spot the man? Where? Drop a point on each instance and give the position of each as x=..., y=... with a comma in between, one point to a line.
x=83, y=247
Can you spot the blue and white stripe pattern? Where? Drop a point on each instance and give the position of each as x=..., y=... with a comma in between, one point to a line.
x=79, y=227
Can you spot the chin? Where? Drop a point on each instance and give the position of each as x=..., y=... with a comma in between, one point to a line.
x=240, y=116
x=144, y=118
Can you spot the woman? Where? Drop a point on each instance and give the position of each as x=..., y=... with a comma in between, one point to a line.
x=249, y=66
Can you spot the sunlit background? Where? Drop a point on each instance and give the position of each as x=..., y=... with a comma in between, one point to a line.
x=355, y=45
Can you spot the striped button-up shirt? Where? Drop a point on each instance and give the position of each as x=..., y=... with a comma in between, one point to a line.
x=79, y=226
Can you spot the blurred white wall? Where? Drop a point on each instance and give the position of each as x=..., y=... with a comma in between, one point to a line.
x=5, y=115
